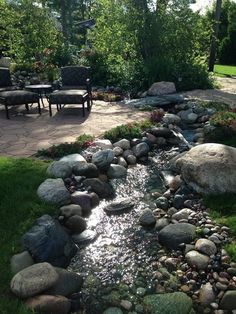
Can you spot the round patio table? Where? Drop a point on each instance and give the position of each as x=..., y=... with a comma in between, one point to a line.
x=41, y=90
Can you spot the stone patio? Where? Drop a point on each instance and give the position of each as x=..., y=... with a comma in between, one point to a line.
x=24, y=134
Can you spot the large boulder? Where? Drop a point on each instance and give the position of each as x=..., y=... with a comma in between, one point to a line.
x=102, y=189
x=53, y=191
x=48, y=242
x=59, y=169
x=141, y=150
x=49, y=304
x=174, y=234
x=88, y=170
x=34, y=280
x=209, y=168
x=194, y=258
x=116, y=171
x=21, y=261
x=103, y=144
x=174, y=303
x=228, y=302
x=102, y=159
x=73, y=159
x=161, y=88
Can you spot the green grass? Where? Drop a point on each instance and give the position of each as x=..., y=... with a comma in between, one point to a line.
x=225, y=70
x=223, y=211
x=19, y=207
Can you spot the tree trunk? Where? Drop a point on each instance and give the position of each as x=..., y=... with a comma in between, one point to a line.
x=214, y=36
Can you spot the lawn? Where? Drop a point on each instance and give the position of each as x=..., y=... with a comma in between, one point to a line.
x=225, y=70
x=19, y=207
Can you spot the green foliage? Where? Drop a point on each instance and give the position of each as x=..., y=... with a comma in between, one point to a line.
x=128, y=131
x=19, y=207
x=224, y=70
x=216, y=105
x=231, y=249
x=224, y=119
x=57, y=151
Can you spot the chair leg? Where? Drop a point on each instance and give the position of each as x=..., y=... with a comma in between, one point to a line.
x=58, y=107
x=83, y=109
x=7, y=112
x=39, y=108
x=27, y=107
x=50, y=108
x=88, y=104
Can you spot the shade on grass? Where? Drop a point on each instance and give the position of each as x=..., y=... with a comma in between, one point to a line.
x=19, y=207
x=225, y=70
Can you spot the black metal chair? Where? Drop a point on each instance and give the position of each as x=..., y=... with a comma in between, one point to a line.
x=11, y=96
x=75, y=88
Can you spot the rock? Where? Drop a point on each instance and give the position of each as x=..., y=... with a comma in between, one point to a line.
x=59, y=169
x=127, y=153
x=147, y=218
x=206, y=246
x=156, y=101
x=117, y=151
x=160, y=141
x=228, y=302
x=197, y=259
x=33, y=280
x=70, y=210
x=175, y=183
x=83, y=199
x=85, y=237
x=174, y=234
x=73, y=159
x=141, y=150
x=94, y=199
x=161, y=223
x=124, y=144
x=68, y=283
x=121, y=161
x=162, y=202
x=49, y=304
x=53, y=191
x=76, y=224
x=103, y=143
x=161, y=88
x=171, y=118
x=188, y=116
x=178, y=201
x=131, y=160
x=88, y=170
x=119, y=206
x=113, y=310
x=206, y=294
x=174, y=303
x=182, y=214
x=48, y=242
x=116, y=171
x=209, y=168
x=21, y=261
x=103, y=158
x=141, y=291
x=127, y=305
x=160, y=132
x=102, y=189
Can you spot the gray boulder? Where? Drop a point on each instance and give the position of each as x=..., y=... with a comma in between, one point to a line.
x=70, y=210
x=124, y=144
x=103, y=144
x=197, y=259
x=21, y=261
x=59, y=169
x=102, y=189
x=207, y=294
x=83, y=199
x=119, y=206
x=88, y=170
x=116, y=171
x=49, y=304
x=161, y=88
x=141, y=150
x=76, y=224
x=53, y=191
x=147, y=218
x=85, y=237
x=171, y=118
x=206, y=246
x=117, y=151
x=182, y=214
x=33, y=280
x=174, y=234
x=161, y=223
x=122, y=162
x=160, y=132
x=168, y=303
x=73, y=159
x=48, y=242
x=161, y=101
x=162, y=202
x=113, y=310
x=228, y=302
x=102, y=159
x=209, y=168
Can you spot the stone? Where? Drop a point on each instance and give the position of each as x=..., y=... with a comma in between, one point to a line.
x=49, y=304
x=127, y=305
x=161, y=223
x=175, y=234
x=70, y=210
x=102, y=159
x=124, y=144
x=116, y=171
x=206, y=246
x=209, y=168
x=102, y=189
x=88, y=170
x=59, y=169
x=182, y=214
x=174, y=303
x=141, y=150
x=228, y=302
x=160, y=101
x=103, y=144
x=113, y=310
x=147, y=218
x=131, y=160
x=83, y=199
x=117, y=151
x=160, y=132
x=85, y=237
x=21, y=261
x=48, y=242
x=119, y=206
x=161, y=88
x=94, y=200
x=33, y=280
x=53, y=191
x=76, y=224
x=171, y=118
x=194, y=258
x=206, y=294
x=122, y=162
x=68, y=283
x=162, y=202
x=128, y=152
x=178, y=201
x=73, y=159
x=175, y=183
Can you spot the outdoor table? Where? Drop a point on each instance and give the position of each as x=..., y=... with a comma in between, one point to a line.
x=41, y=90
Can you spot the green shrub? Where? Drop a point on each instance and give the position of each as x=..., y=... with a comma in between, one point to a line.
x=217, y=106
x=224, y=119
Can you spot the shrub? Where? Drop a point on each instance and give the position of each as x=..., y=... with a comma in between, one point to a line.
x=224, y=119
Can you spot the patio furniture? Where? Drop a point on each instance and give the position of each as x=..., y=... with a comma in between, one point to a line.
x=41, y=89
x=10, y=96
x=75, y=88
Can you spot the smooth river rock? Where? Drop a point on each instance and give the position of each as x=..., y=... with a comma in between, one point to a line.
x=59, y=169
x=228, y=302
x=21, y=261
x=206, y=246
x=116, y=171
x=197, y=259
x=119, y=206
x=102, y=159
x=49, y=304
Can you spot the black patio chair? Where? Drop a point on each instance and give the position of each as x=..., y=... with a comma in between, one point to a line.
x=75, y=88
x=12, y=96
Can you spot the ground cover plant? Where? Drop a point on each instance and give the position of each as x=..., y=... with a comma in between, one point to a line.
x=19, y=207
x=225, y=70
